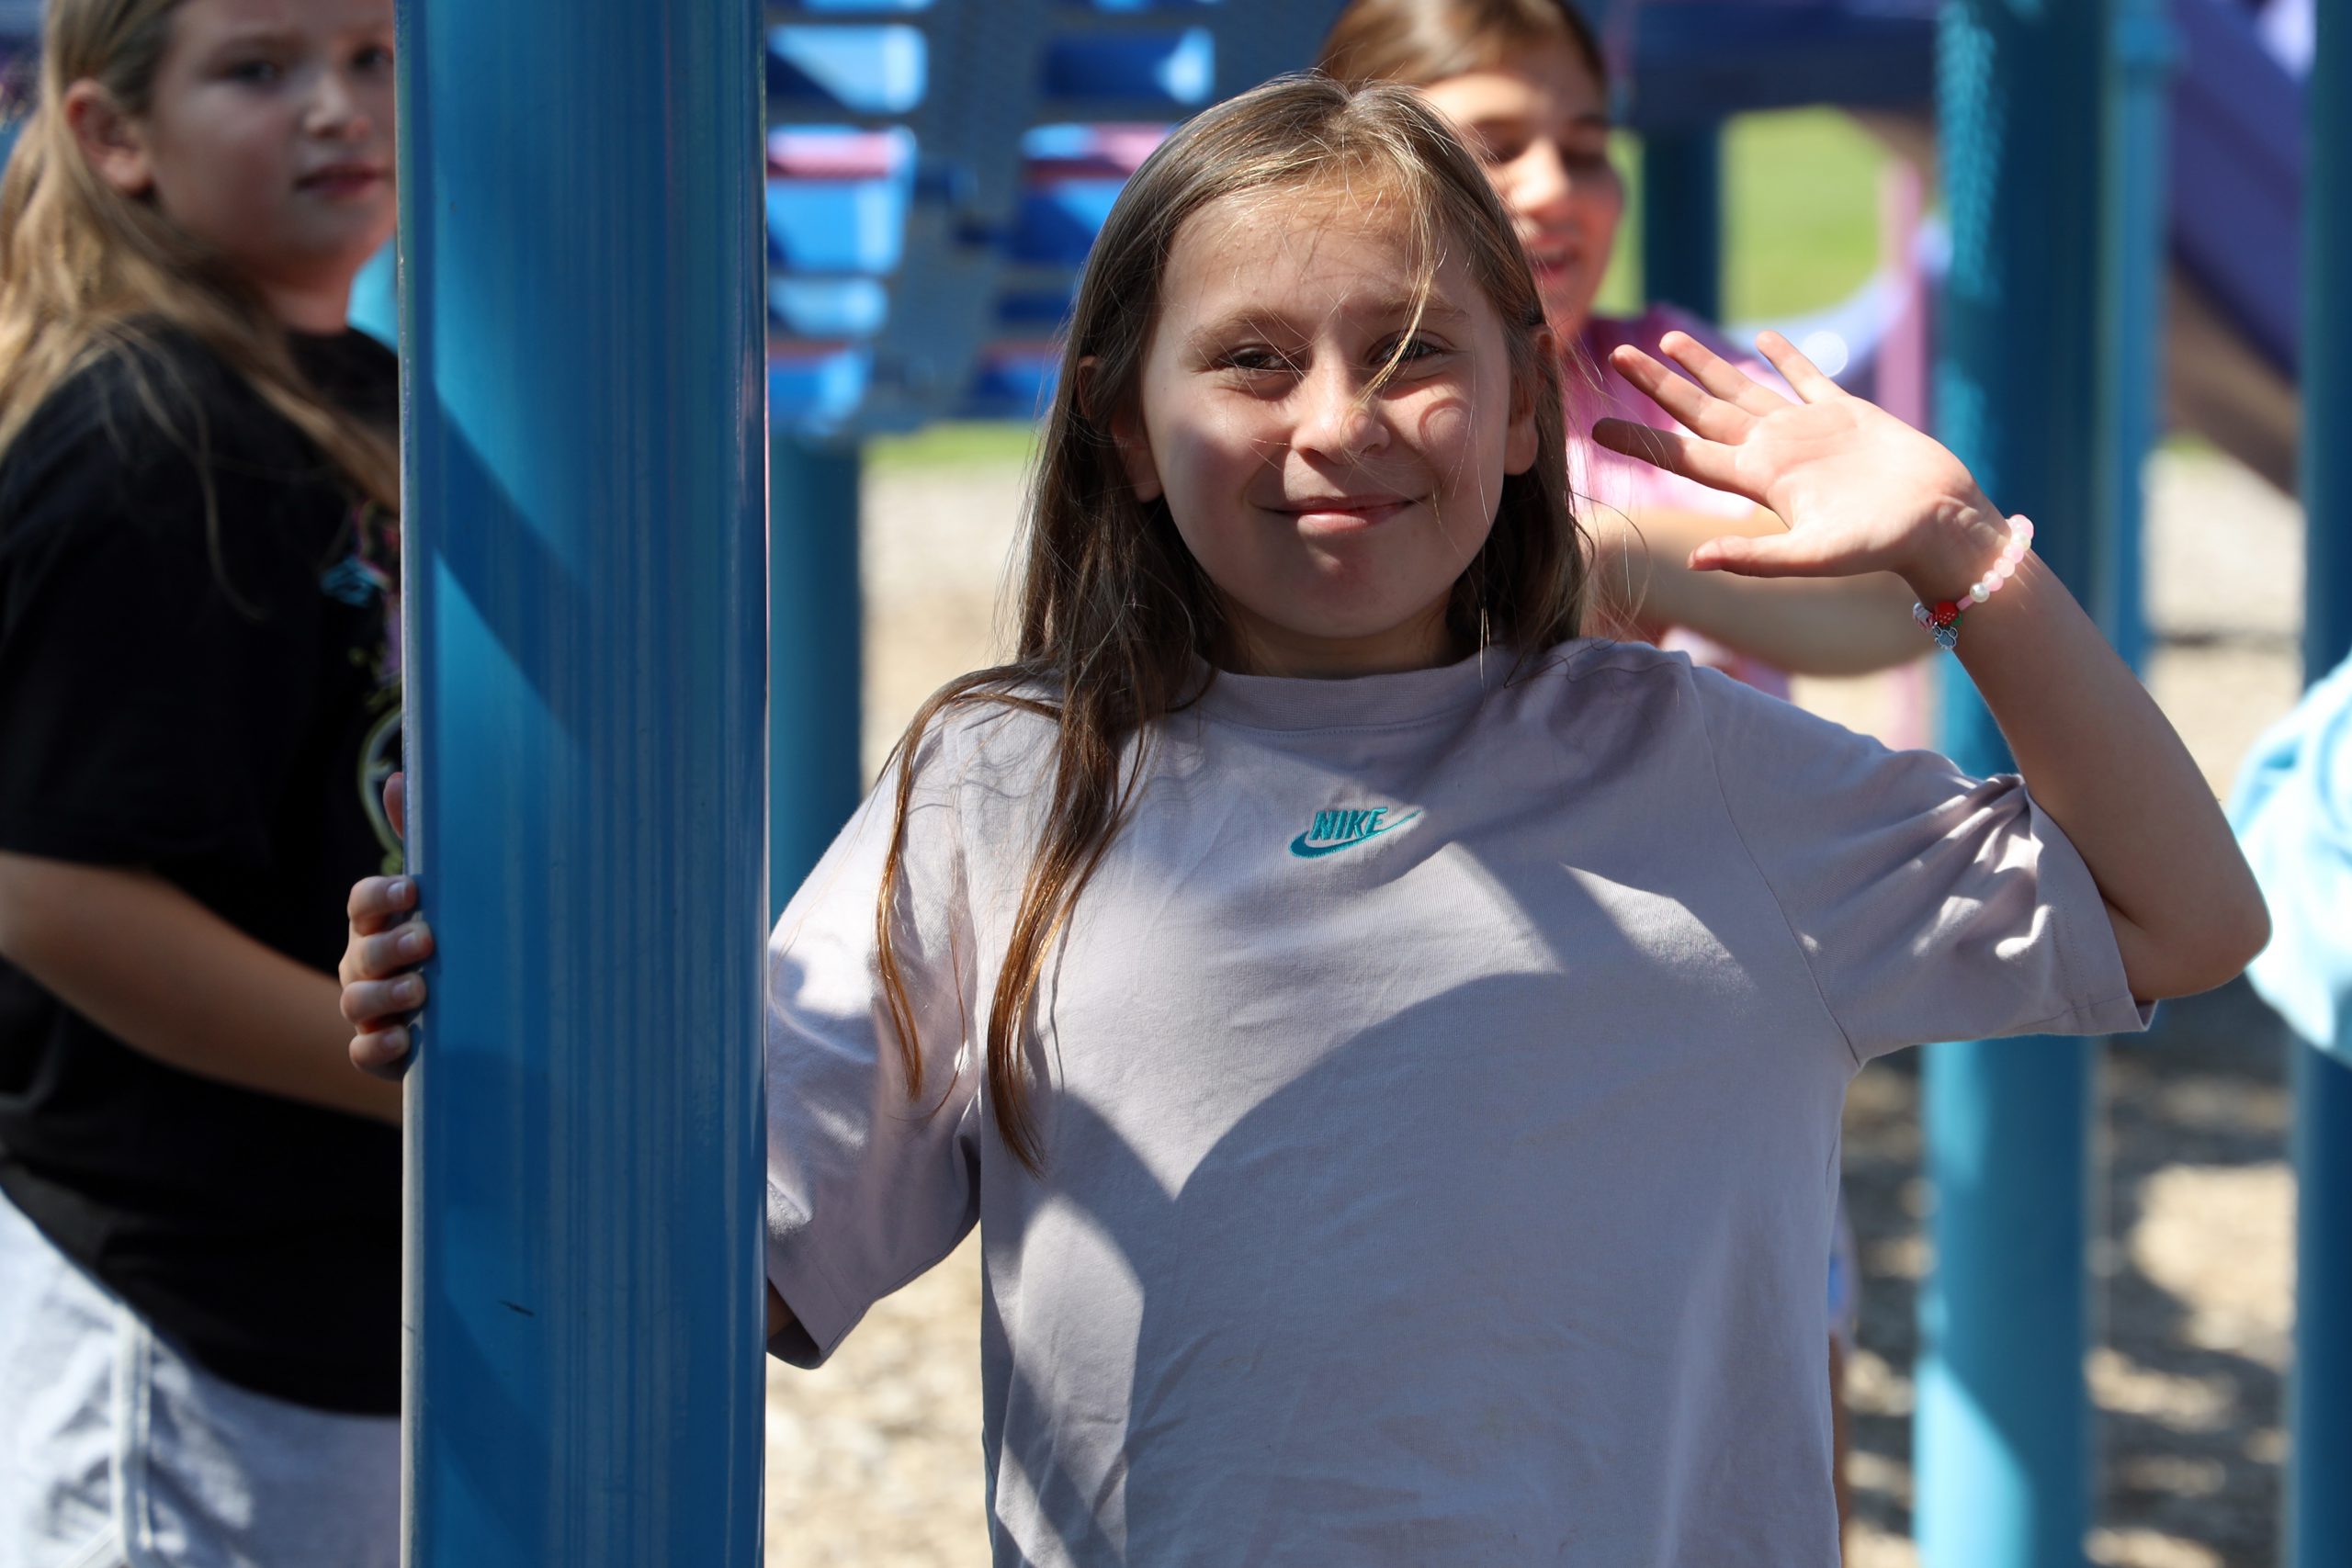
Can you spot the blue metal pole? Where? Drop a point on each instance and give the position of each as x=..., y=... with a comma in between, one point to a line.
x=815, y=661
x=1682, y=219
x=2326, y=452
x=2141, y=56
x=2049, y=343
x=585, y=435
x=2319, y=1506
x=2319, y=1402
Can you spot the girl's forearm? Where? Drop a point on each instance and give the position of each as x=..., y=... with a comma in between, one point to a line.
x=1833, y=625
x=159, y=971
x=2103, y=760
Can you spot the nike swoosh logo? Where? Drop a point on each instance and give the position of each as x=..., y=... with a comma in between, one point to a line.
x=1304, y=851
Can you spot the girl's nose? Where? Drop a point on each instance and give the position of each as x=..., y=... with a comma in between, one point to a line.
x=1541, y=185
x=1337, y=419
x=335, y=109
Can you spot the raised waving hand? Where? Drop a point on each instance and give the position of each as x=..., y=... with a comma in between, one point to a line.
x=1859, y=490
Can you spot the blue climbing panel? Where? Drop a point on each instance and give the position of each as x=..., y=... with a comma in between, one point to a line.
x=937, y=168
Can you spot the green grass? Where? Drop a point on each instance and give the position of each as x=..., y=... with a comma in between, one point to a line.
x=952, y=446
x=1801, y=194
x=1800, y=191
x=1800, y=198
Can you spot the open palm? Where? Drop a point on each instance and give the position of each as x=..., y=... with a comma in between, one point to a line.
x=1859, y=490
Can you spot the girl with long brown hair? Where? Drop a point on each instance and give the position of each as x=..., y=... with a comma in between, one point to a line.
x=199, y=1238
x=1391, y=1044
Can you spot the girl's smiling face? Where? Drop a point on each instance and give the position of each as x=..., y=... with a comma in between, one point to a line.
x=1541, y=130
x=1332, y=511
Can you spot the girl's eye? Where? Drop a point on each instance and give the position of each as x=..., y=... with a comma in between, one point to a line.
x=1253, y=360
x=1411, y=350
x=375, y=57
x=1495, y=154
x=1586, y=161
x=257, y=73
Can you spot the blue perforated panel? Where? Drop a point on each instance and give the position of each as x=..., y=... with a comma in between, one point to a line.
x=937, y=170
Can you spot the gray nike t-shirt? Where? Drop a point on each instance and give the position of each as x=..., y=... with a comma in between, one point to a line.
x=1440, y=1086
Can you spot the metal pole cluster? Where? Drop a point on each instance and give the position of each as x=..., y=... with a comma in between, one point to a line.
x=2049, y=345
x=585, y=446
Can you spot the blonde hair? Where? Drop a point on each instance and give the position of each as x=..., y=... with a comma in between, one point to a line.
x=1116, y=618
x=87, y=271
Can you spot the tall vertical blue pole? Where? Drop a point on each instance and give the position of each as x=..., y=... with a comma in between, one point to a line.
x=2319, y=1504
x=2326, y=452
x=2048, y=344
x=815, y=662
x=2319, y=1399
x=2137, y=106
x=1682, y=219
x=584, y=450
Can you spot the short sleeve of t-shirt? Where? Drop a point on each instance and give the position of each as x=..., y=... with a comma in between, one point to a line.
x=869, y=1183
x=1930, y=905
x=136, y=639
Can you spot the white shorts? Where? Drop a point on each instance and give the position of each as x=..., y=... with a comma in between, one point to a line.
x=116, y=1452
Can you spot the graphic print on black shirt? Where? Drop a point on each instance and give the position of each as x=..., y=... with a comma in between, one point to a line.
x=215, y=699
x=367, y=570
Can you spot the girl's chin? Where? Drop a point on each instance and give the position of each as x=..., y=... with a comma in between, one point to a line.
x=1344, y=644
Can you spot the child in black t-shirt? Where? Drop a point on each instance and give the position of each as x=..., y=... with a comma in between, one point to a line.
x=199, y=1240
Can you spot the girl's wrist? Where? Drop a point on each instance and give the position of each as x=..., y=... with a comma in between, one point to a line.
x=1954, y=550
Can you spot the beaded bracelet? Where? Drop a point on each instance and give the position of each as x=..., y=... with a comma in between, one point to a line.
x=1941, y=620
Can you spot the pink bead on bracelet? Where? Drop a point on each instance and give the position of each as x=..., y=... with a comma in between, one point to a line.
x=1942, y=619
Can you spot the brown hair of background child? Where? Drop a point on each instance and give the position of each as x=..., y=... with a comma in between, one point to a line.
x=1420, y=42
x=1114, y=617
x=85, y=270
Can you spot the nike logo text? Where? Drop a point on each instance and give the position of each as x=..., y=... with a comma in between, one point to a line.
x=1337, y=830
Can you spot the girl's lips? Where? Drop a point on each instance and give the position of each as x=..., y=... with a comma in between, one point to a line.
x=1345, y=516
x=1550, y=253
x=342, y=180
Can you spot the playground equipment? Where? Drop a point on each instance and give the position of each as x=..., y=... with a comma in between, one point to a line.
x=589, y=386
x=2052, y=129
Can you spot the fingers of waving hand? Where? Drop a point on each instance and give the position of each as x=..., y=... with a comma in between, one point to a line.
x=1693, y=405
x=1721, y=378
x=1802, y=374
x=1711, y=463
